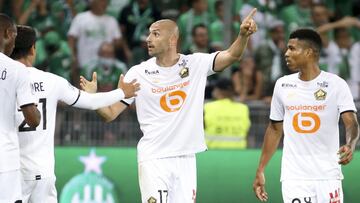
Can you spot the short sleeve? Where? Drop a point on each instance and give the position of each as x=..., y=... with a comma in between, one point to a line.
x=24, y=92
x=75, y=27
x=66, y=92
x=276, y=108
x=116, y=31
x=345, y=101
x=207, y=62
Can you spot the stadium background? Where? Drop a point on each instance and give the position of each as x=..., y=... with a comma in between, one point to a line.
x=223, y=175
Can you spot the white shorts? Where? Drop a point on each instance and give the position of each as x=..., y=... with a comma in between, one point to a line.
x=168, y=180
x=10, y=186
x=39, y=191
x=310, y=191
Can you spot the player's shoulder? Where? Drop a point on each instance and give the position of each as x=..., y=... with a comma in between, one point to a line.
x=47, y=76
x=7, y=61
x=333, y=79
x=141, y=66
x=288, y=78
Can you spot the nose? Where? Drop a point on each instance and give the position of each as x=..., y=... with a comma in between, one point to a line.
x=287, y=53
x=148, y=39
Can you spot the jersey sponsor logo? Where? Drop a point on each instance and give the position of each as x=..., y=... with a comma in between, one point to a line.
x=306, y=108
x=323, y=84
x=170, y=87
x=151, y=72
x=306, y=122
x=320, y=94
x=288, y=85
x=172, y=101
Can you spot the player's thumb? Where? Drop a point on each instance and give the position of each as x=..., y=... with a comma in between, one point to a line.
x=94, y=77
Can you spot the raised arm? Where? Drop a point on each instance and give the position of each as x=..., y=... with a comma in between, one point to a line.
x=234, y=52
x=352, y=136
x=272, y=138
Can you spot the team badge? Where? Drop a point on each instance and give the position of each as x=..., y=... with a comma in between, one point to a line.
x=151, y=200
x=184, y=72
x=320, y=94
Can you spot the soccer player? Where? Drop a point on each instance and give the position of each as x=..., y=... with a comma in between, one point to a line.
x=307, y=106
x=14, y=88
x=170, y=110
x=37, y=144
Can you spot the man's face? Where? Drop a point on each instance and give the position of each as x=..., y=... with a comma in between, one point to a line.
x=278, y=34
x=158, y=40
x=319, y=15
x=295, y=54
x=100, y=6
x=10, y=37
x=201, y=37
x=200, y=6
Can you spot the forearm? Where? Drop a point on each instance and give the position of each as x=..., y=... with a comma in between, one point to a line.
x=109, y=113
x=232, y=54
x=99, y=100
x=238, y=47
x=271, y=142
x=352, y=135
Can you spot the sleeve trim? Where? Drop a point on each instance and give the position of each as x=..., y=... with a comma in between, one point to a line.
x=122, y=101
x=352, y=111
x=25, y=105
x=213, y=65
x=275, y=121
x=76, y=99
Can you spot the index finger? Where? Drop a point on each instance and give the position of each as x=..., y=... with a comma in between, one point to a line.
x=251, y=14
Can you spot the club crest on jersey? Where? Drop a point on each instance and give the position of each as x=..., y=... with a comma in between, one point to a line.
x=184, y=72
x=320, y=94
x=151, y=200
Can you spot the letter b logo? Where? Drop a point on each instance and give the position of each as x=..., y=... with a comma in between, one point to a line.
x=306, y=122
x=172, y=101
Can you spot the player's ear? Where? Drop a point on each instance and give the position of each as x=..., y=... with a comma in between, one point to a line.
x=33, y=50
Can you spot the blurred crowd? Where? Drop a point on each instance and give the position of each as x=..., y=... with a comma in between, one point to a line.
x=77, y=37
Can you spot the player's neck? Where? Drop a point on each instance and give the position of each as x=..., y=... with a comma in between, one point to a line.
x=309, y=72
x=167, y=59
x=25, y=61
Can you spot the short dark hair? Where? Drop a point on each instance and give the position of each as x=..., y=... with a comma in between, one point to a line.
x=201, y=25
x=218, y=3
x=224, y=84
x=25, y=39
x=310, y=36
x=5, y=21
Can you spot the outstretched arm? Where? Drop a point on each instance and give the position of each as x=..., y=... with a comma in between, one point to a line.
x=234, y=52
x=272, y=138
x=352, y=136
x=110, y=112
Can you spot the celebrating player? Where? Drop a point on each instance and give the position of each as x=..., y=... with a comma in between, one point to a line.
x=37, y=144
x=307, y=106
x=170, y=110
